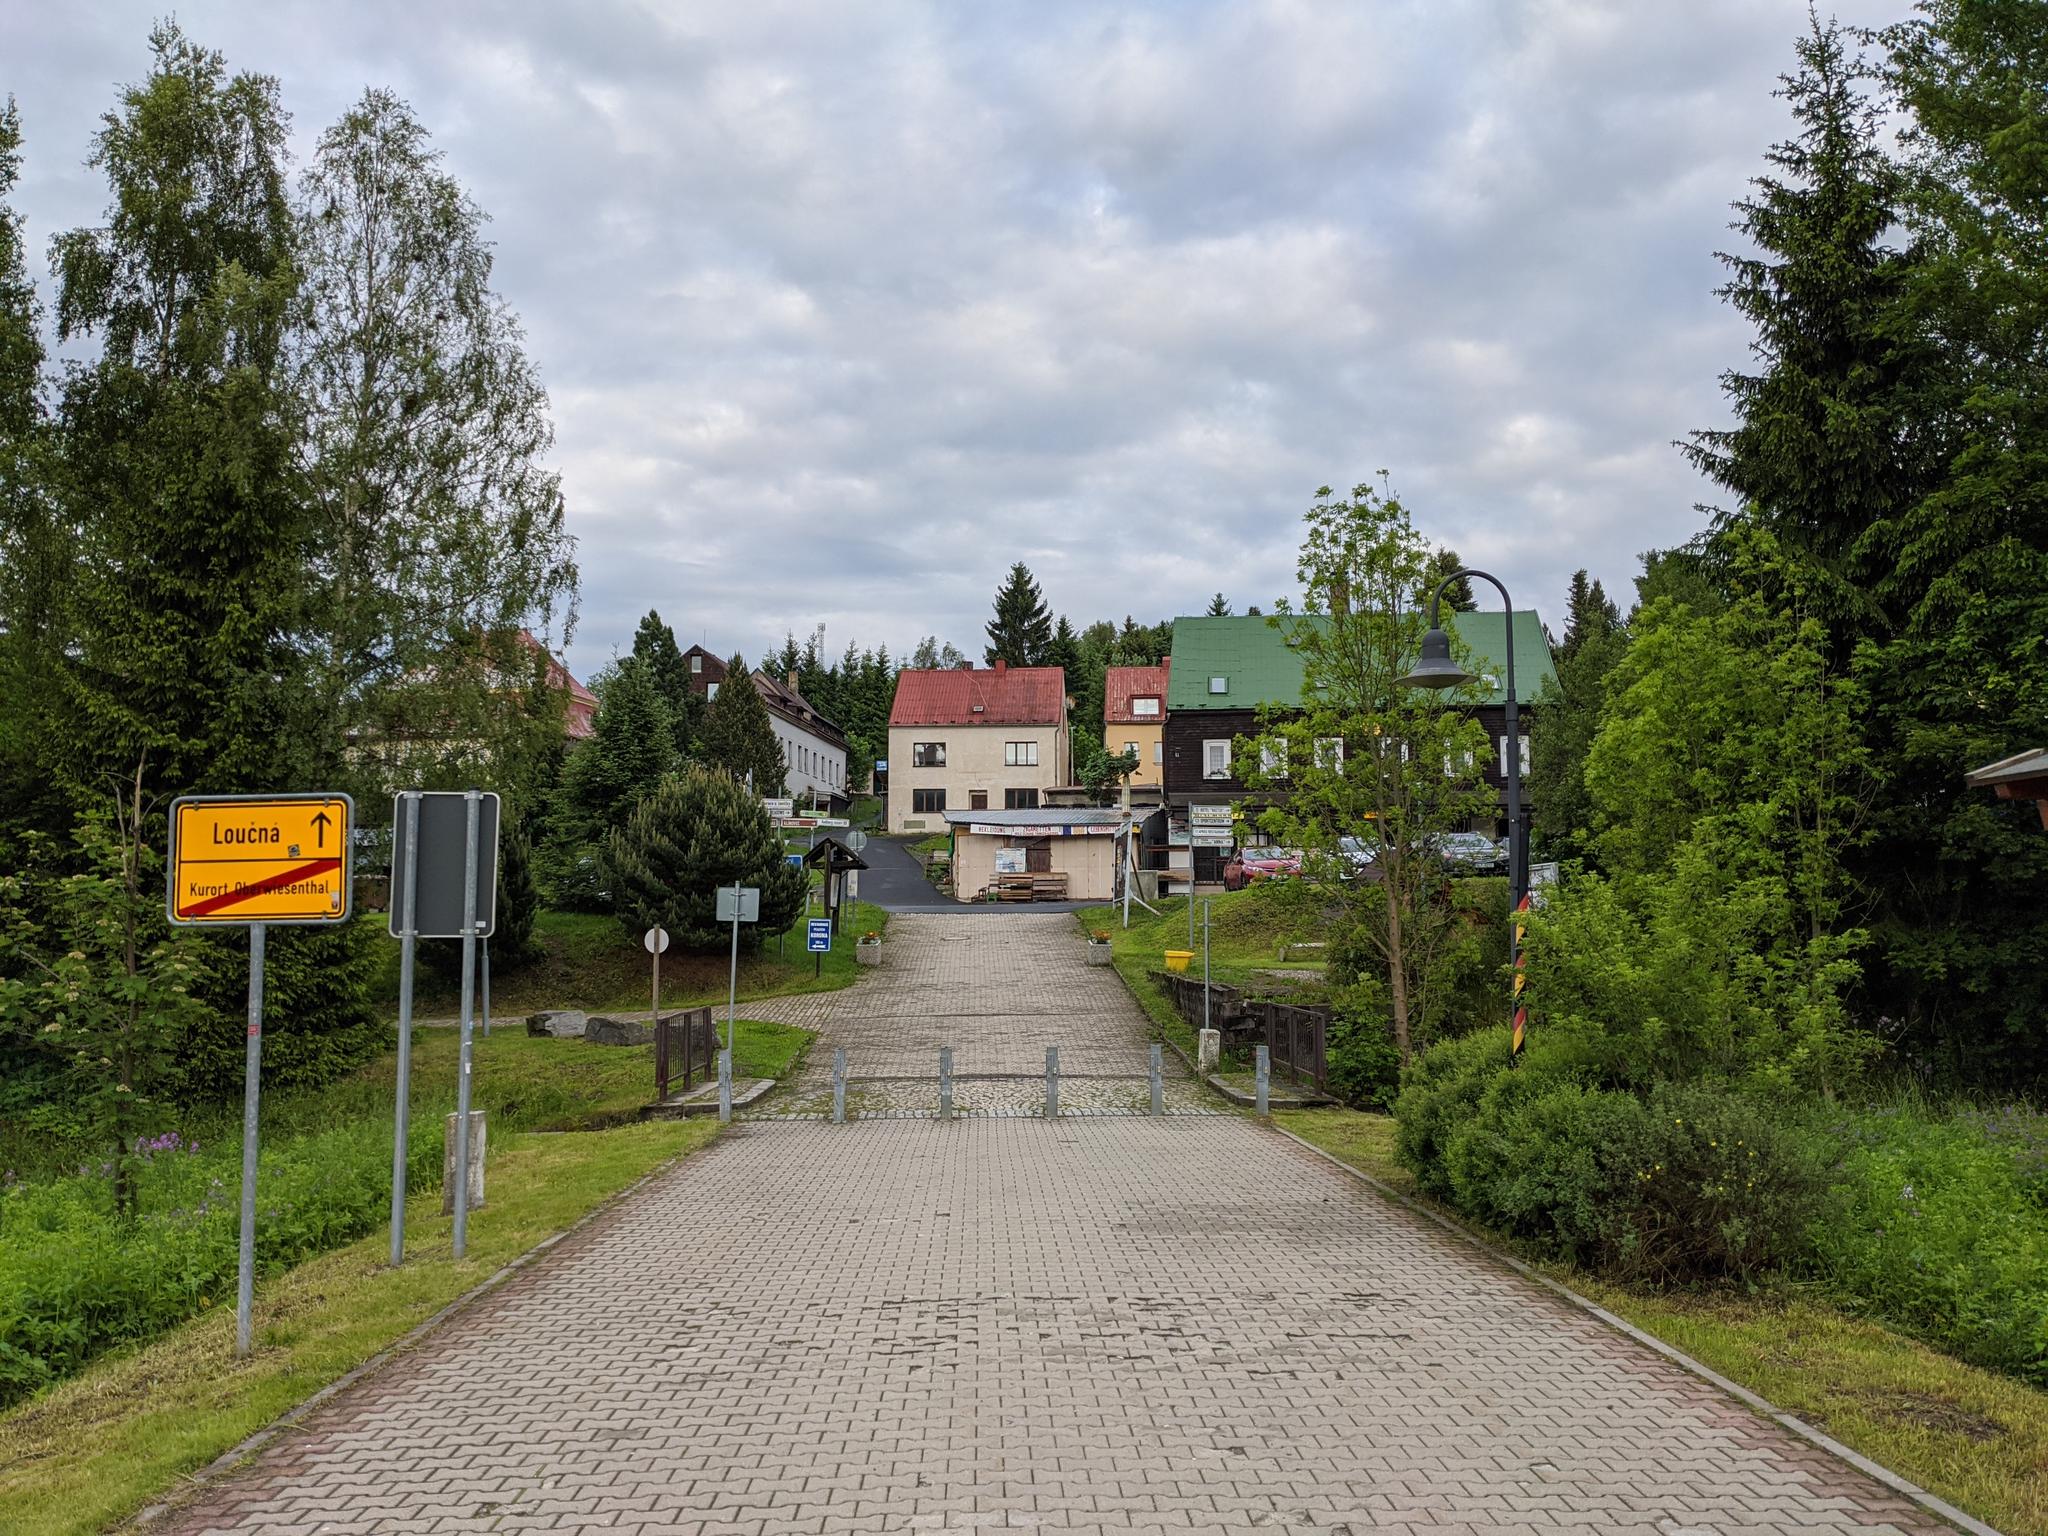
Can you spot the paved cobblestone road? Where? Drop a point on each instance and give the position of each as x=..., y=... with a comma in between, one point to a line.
x=1091, y=1325
x=999, y=987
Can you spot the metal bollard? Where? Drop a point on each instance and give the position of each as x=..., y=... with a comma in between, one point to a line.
x=1158, y=1081
x=945, y=1082
x=725, y=1085
x=1052, y=1082
x=1262, y=1074
x=839, y=1086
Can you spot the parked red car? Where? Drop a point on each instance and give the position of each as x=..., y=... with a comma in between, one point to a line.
x=1248, y=866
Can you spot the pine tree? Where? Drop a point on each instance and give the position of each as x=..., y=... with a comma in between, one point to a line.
x=631, y=746
x=738, y=736
x=1021, y=631
x=1219, y=607
x=1457, y=596
x=697, y=831
x=1833, y=432
x=1568, y=713
x=655, y=644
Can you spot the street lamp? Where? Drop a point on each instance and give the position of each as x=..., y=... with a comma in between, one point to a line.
x=1435, y=669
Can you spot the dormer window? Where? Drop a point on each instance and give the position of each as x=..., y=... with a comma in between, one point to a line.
x=1144, y=709
x=1219, y=685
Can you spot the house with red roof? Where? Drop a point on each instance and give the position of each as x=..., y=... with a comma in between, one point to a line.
x=975, y=739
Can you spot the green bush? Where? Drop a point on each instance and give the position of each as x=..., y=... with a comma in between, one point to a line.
x=1440, y=1091
x=1945, y=1231
x=1364, y=1066
x=1698, y=1182
x=76, y=1280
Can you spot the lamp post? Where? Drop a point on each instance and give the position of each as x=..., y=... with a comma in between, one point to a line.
x=1435, y=669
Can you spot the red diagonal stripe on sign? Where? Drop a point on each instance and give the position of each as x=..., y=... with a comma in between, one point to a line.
x=263, y=887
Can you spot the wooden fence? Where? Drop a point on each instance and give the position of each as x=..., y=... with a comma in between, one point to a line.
x=691, y=1036
x=1296, y=1038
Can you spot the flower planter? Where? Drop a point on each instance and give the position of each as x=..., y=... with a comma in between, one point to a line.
x=867, y=952
x=1100, y=952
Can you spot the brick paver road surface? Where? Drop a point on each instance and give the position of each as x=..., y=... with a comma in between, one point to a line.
x=1103, y=1324
x=998, y=987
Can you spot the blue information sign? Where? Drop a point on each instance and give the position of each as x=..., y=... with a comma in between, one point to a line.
x=818, y=935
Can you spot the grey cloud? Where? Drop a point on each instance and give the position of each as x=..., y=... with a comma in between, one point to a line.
x=843, y=308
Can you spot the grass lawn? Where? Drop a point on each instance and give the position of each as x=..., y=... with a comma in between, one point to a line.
x=1976, y=1438
x=127, y=1430
x=1246, y=930
x=590, y=962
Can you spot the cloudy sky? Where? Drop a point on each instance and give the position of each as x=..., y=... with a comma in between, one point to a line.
x=843, y=308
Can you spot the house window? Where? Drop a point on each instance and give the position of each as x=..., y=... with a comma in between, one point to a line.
x=1501, y=746
x=1144, y=709
x=1273, y=758
x=1330, y=753
x=1219, y=685
x=1158, y=752
x=711, y=690
x=1456, y=763
x=977, y=799
x=1216, y=759
x=1131, y=747
x=696, y=663
x=1020, y=754
x=927, y=802
x=928, y=754
x=1020, y=799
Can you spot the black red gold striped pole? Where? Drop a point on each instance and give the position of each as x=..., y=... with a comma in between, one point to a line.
x=1521, y=962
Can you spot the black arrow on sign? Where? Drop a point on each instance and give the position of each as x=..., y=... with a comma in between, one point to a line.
x=320, y=820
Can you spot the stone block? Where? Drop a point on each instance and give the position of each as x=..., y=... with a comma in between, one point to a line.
x=602, y=1029
x=560, y=1023
x=1209, y=1050
x=476, y=1163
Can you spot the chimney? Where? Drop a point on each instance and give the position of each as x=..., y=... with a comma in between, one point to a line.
x=792, y=682
x=965, y=666
x=1002, y=666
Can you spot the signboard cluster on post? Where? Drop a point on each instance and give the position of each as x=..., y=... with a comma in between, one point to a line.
x=254, y=860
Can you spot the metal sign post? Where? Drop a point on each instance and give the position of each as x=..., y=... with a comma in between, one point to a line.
x=254, y=860
x=404, y=919
x=654, y=941
x=740, y=904
x=252, y=1069
x=472, y=811
x=484, y=947
x=444, y=852
x=1205, y=962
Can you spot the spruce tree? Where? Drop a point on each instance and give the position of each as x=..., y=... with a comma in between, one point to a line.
x=1219, y=607
x=737, y=733
x=1832, y=432
x=631, y=746
x=1021, y=631
x=654, y=643
x=1457, y=596
x=697, y=831
x=1567, y=714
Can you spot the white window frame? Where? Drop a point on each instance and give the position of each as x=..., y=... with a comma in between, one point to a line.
x=1273, y=757
x=1146, y=708
x=1452, y=768
x=1020, y=754
x=1330, y=753
x=1216, y=758
x=1132, y=748
x=710, y=692
x=697, y=664
x=1158, y=752
x=1219, y=684
x=1501, y=746
x=933, y=754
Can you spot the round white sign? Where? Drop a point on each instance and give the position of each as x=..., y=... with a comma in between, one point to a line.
x=856, y=840
x=656, y=941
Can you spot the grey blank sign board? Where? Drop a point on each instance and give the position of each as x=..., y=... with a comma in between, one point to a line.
x=748, y=905
x=444, y=835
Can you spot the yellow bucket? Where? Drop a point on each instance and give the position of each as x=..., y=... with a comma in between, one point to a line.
x=1177, y=959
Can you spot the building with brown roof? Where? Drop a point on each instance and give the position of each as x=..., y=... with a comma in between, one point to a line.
x=972, y=739
x=813, y=748
x=1134, y=717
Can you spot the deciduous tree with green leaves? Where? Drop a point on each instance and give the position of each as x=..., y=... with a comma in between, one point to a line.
x=1366, y=774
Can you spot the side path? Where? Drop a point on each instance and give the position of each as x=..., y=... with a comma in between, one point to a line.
x=1090, y=1325
x=999, y=989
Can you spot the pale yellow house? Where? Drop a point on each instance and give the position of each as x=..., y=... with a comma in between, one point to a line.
x=1134, y=717
x=975, y=739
